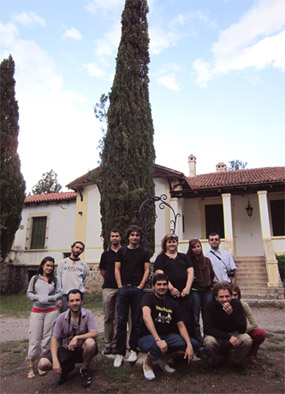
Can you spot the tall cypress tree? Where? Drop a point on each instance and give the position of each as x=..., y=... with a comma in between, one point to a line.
x=12, y=184
x=128, y=155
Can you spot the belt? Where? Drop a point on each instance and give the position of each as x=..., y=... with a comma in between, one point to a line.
x=129, y=285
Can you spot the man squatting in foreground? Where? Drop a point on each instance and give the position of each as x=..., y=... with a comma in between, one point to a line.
x=110, y=287
x=72, y=273
x=73, y=341
x=162, y=319
x=225, y=329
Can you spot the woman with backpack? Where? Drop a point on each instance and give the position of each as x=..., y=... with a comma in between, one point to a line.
x=44, y=289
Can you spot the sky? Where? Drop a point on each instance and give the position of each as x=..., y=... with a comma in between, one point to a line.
x=217, y=81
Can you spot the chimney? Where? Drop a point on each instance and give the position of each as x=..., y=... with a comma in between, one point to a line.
x=221, y=167
x=192, y=165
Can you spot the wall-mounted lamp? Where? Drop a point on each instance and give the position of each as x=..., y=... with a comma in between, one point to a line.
x=249, y=209
x=80, y=213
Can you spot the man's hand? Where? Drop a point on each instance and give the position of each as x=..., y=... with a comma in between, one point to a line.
x=174, y=292
x=185, y=292
x=73, y=343
x=234, y=341
x=189, y=354
x=162, y=346
x=227, y=308
x=56, y=367
x=58, y=304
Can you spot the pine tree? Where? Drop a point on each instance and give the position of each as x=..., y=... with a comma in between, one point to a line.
x=47, y=184
x=128, y=155
x=12, y=184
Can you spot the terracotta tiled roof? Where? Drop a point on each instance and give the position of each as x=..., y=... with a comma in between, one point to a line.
x=50, y=197
x=247, y=177
x=159, y=171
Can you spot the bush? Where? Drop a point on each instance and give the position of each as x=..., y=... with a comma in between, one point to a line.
x=281, y=266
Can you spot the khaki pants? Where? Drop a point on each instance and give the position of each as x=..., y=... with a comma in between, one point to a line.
x=218, y=348
x=110, y=317
x=40, y=330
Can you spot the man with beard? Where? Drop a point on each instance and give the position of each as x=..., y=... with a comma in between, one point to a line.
x=72, y=273
x=110, y=287
x=73, y=341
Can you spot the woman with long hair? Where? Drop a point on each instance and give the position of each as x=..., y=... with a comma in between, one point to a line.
x=44, y=289
x=179, y=270
x=201, y=286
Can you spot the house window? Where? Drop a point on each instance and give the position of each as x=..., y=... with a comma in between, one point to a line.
x=277, y=217
x=38, y=237
x=214, y=219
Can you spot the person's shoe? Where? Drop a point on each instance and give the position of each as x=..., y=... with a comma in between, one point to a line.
x=165, y=367
x=85, y=377
x=107, y=351
x=118, y=361
x=240, y=369
x=252, y=360
x=148, y=374
x=132, y=356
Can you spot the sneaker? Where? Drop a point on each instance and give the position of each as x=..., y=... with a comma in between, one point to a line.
x=107, y=351
x=85, y=377
x=118, y=361
x=240, y=369
x=132, y=356
x=148, y=374
x=165, y=367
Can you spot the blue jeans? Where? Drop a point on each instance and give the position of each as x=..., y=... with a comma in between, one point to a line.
x=174, y=342
x=128, y=297
x=200, y=301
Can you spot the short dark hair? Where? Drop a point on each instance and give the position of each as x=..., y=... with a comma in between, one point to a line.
x=78, y=242
x=213, y=234
x=115, y=230
x=158, y=277
x=75, y=291
x=222, y=286
x=132, y=228
x=236, y=289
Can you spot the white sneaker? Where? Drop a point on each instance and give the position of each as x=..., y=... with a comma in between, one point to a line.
x=148, y=374
x=165, y=367
x=118, y=361
x=132, y=356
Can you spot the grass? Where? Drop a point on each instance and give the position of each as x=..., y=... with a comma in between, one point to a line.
x=20, y=306
x=12, y=354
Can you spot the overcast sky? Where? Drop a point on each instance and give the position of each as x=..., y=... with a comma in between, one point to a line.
x=217, y=80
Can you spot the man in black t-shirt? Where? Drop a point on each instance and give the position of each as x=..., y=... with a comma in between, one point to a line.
x=131, y=273
x=161, y=318
x=107, y=270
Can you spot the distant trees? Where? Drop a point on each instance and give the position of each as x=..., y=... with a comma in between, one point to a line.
x=126, y=171
x=47, y=184
x=12, y=184
x=236, y=165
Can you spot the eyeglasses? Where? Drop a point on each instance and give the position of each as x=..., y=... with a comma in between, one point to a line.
x=214, y=239
x=170, y=236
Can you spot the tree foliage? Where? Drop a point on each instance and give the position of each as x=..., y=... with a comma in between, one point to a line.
x=47, y=184
x=236, y=165
x=126, y=171
x=12, y=184
x=100, y=111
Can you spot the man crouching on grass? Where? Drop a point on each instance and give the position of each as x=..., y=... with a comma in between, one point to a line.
x=161, y=319
x=73, y=341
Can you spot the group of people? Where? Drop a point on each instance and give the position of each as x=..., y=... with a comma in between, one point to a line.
x=163, y=323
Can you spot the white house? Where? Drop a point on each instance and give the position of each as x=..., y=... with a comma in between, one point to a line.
x=245, y=206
